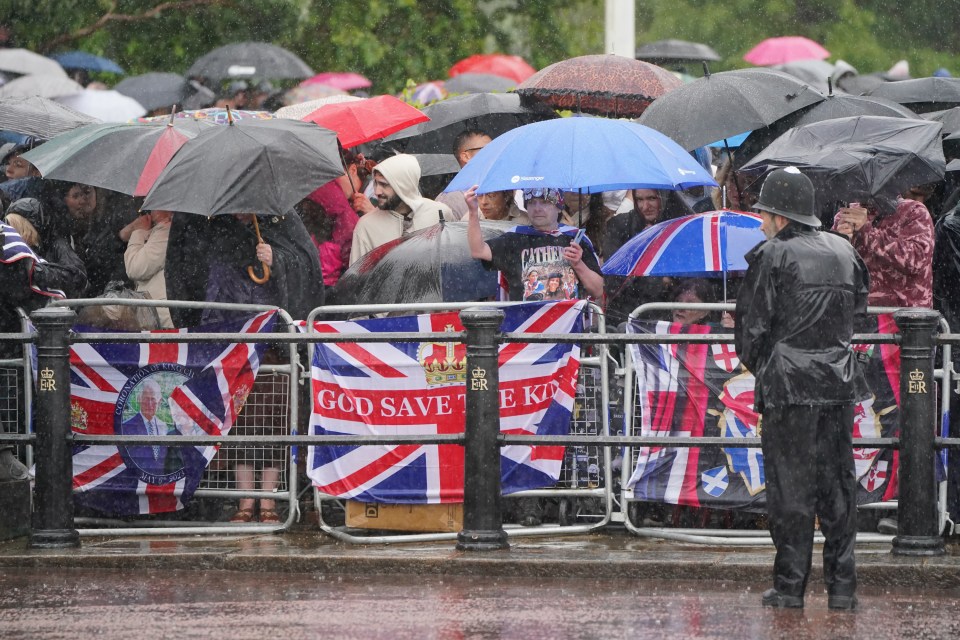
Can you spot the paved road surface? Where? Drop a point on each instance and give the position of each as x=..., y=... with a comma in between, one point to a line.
x=106, y=604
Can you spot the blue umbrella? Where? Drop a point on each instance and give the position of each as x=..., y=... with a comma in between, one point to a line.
x=698, y=245
x=587, y=154
x=87, y=61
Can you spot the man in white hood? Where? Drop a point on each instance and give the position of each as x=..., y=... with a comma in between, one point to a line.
x=400, y=207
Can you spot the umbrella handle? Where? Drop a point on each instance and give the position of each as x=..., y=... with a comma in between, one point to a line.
x=266, y=270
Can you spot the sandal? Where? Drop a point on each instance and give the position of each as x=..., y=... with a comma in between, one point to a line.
x=269, y=516
x=242, y=515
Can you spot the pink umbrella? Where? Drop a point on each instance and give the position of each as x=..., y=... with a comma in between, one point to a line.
x=785, y=49
x=344, y=80
x=496, y=64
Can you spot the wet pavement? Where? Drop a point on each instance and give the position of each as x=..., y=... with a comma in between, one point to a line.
x=156, y=603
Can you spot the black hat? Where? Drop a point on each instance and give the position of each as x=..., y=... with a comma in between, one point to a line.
x=789, y=193
x=31, y=210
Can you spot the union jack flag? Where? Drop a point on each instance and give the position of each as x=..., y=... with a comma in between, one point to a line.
x=156, y=389
x=14, y=249
x=681, y=391
x=419, y=388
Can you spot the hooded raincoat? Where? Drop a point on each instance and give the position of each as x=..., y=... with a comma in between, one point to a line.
x=379, y=227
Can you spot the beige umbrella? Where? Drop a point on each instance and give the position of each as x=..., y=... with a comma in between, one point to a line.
x=25, y=62
x=303, y=109
x=45, y=86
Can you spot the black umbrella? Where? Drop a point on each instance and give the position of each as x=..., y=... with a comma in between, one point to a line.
x=437, y=164
x=249, y=60
x=492, y=113
x=478, y=83
x=39, y=117
x=670, y=50
x=834, y=106
x=922, y=94
x=949, y=118
x=430, y=265
x=863, y=158
x=726, y=104
x=861, y=84
x=157, y=90
x=251, y=166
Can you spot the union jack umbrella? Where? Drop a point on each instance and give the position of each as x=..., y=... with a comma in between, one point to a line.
x=697, y=245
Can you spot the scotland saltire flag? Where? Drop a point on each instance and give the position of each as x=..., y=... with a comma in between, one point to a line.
x=155, y=389
x=699, y=390
x=14, y=249
x=419, y=388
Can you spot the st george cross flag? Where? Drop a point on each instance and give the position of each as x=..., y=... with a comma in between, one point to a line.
x=692, y=390
x=419, y=388
x=15, y=249
x=156, y=389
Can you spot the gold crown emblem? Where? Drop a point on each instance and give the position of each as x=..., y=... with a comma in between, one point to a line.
x=443, y=362
x=46, y=373
x=479, y=373
x=916, y=375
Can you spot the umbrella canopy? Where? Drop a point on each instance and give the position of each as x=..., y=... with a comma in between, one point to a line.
x=248, y=60
x=591, y=154
x=124, y=157
x=108, y=106
x=512, y=67
x=343, y=80
x=492, y=113
x=922, y=94
x=834, y=106
x=478, y=83
x=428, y=92
x=158, y=90
x=728, y=103
x=26, y=62
x=861, y=84
x=430, y=265
x=437, y=164
x=215, y=115
x=86, y=61
x=252, y=166
x=785, y=49
x=39, y=117
x=815, y=72
x=607, y=85
x=949, y=118
x=863, y=158
x=672, y=49
x=309, y=92
x=298, y=111
x=702, y=244
x=366, y=120
x=45, y=86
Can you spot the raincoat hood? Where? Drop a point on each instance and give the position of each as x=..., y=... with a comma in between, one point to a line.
x=402, y=171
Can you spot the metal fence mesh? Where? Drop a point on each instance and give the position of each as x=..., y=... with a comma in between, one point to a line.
x=11, y=401
x=583, y=465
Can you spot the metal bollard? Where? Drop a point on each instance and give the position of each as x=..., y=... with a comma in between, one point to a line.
x=918, y=530
x=52, y=522
x=482, y=518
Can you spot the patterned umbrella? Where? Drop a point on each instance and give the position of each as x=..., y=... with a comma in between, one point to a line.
x=298, y=111
x=702, y=244
x=214, y=115
x=308, y=92
x=607, y=85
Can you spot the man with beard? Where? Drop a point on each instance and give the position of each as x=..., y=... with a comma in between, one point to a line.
x=400, y=206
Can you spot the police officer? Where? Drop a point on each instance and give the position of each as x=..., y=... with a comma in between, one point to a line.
x=795, y=317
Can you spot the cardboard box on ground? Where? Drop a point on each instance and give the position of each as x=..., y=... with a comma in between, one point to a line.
x=425, y=518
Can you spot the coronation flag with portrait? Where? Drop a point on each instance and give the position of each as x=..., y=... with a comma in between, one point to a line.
x=702, y=390
x=202, y=387
x=419, y=388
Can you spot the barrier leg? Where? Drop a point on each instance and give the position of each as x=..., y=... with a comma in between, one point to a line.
x=482, y=518
x=918, y=530
x=52, y=522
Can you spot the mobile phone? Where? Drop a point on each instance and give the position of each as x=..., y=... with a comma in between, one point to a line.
x=577, y=238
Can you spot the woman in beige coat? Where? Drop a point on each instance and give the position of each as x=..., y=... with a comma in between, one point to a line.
x=145, y=257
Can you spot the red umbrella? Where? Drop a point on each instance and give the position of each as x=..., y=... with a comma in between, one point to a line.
x=343, y=80
x=607, y=85
x=497, y=64
x=365, y=120
x=785, y=49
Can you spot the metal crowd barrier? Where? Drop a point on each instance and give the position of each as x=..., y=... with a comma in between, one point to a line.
x=586, y=476
x=746, y=537
x=274, y=408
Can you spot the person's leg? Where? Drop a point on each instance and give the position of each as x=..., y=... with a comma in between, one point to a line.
x=269, y=479
x=788, y=439
x=245, y=482
x=837, y=502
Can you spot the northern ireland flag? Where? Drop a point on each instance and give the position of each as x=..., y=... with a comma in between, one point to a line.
x=155, y=389
x=419, y=388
